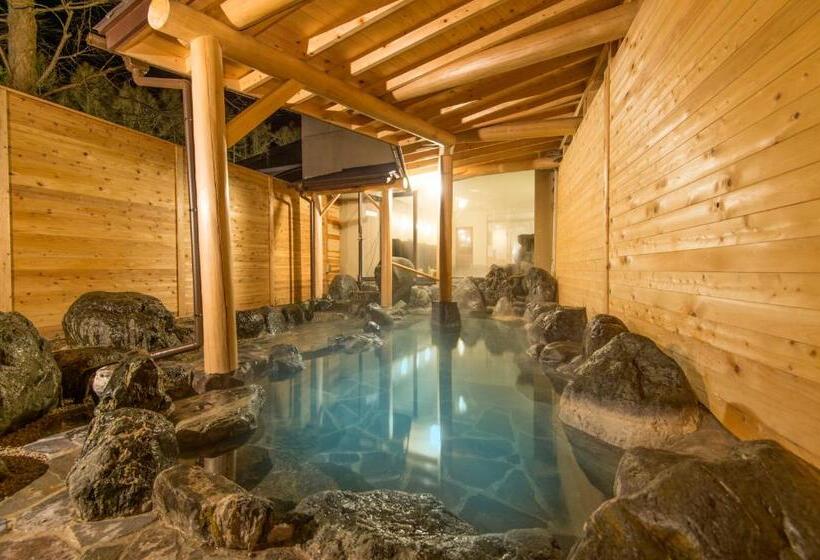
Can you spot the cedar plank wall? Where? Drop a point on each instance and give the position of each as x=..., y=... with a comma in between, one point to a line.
x=714, y=199
x=96, y=206
x=580, y=241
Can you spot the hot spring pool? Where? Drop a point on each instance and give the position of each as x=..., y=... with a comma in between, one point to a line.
x=470, y=420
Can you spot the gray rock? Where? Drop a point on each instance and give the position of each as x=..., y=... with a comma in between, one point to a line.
x=388, y=524
x=355, y=343
x=285, y=359
x=540, y=285
x=294, y=314
x=287, y=477
x=630, y=393
x=251, y=323
x=134, y=383
x=559, y=352
x=123, y=320
x=4, y=470
x=29, y=376
x=122, y=455
x=419, y=296
x=534, y=350
x=78, y=366
x=221, y=419
x=469, y=297
x=535, y=308
x=403, y=280
x=756, y=501
x=496, y=285
x=176, y=379
x=600, y=330
x=377, y=314
x=212, y=509
x=372, y=327
x=342, y=287
x=504, y=308
x=558, y=323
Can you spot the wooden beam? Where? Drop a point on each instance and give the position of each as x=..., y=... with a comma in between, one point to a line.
x=211, y=158
x=486, y=41
x=559, y=107
x=6, y=276
x=324, y=41
x=445, y=244
x=179, y=21
x=329, y=204
x=318, y=279
x=372, y=200
x=504, y=167
x=544, y=128
x=243, y=123
x=420, y=34
x=386, y=247
x=416, y=272
x=244, y=13
x=551, y=43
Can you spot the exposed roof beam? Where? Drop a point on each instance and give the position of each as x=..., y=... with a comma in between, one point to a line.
x=504, y=167
x=177, y=20
x=552, y=106
x=243, y=123
x=421, y=34
x=486, y=41
x=543, y=128
x=516, y=107
x=551, y=43
x=244, y=13
x=324, y=41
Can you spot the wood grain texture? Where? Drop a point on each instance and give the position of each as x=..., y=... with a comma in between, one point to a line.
x=95, y=206
x=6, y=281
x=714, y=203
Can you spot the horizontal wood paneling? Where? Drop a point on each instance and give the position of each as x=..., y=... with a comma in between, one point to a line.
x=580, y=214
x=714, y=200
x=95, y=206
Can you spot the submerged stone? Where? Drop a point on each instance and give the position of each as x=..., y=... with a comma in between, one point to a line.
x=630, y=393
x=755, y=501
x=600, y=330
x=29, y=376
x=372, y=327
x=217, y=418
x=355, y=343
x=123, y=320
x=122, y=455
x=282, y=361
x=134, y=383
x=377, y=314
x=78, y=366
x=212, y=509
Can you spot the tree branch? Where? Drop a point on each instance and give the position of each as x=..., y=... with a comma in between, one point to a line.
x=84, y=81
x=56, y=57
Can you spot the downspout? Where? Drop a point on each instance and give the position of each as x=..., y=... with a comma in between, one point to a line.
x=138, y=72
x=311, y=201
x=361, y=237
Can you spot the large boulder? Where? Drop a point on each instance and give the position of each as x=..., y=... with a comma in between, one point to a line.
x=496, y=284
x=540, y=285
x=78, y=366
x=630, y=393
x=559, y=352
x=134, y=383
x=122, y=455
x=342, y=288
x=756, y=501
x=420, y=296
x=558, y=323
x=600, y=330
x=403, y=279
x=124, y=320
x=469, y=297
x=388, y=524
x=221, y=419
x=379, y=315
x=217, y=512
x=29, y=376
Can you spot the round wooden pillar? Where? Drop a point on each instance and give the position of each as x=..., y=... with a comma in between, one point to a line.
x=213, y=194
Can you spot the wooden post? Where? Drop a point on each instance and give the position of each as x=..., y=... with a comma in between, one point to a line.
x=214, y=195
x=543, y=203
x=386, y=246
x=318, y=287
x=445, y=245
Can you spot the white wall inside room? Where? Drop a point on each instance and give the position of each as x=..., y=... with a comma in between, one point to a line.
x=489, y=213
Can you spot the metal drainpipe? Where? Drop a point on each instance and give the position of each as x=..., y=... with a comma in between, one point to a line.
x=138, y=74
x=361, y=238
x=311, y=200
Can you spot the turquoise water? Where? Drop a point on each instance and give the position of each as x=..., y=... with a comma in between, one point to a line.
x=470, y=420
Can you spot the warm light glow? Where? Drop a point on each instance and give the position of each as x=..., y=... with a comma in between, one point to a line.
x=426, y=181
x=370, y=213
x=462, y=203
x=460, y=347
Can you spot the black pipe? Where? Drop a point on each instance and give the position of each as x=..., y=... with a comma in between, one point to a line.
x=138, y=74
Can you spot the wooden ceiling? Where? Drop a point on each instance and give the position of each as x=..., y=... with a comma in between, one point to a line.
x=458, y=65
